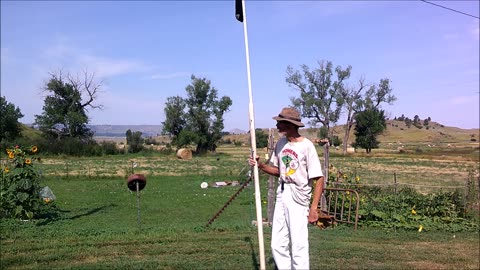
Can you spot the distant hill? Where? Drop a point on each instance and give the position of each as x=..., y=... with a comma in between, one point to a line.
x=147, y=130
x=396, y=131
x=237, y=131
x=120, y=130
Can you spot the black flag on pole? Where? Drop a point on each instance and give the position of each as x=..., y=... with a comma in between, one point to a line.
x=238, y=10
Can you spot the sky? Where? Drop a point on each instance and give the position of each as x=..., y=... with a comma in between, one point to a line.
x=142, y=52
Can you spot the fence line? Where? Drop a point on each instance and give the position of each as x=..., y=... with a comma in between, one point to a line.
x=398, y=183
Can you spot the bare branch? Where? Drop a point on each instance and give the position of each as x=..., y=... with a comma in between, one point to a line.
x=86, y=85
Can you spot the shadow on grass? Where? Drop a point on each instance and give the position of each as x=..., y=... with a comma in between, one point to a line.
x=54, y=216
x=255, y=263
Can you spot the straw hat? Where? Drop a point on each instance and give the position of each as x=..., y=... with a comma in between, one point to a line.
x=290, y=115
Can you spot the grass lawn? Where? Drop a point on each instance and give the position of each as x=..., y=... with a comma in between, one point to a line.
x=97, y=228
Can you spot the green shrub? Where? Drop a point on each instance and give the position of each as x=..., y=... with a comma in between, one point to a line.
x=336, y=140
x=408, y=209
x=72, y=147
x=109, y=148
x=150, y=141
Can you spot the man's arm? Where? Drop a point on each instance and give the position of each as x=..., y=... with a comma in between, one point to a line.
x=264, y=167
x=268, y=169
x=317, y=192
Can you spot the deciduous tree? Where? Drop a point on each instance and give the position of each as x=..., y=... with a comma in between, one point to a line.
x=10, y=128
x=200, y=121
x=320, y=90
x=175, y=118
x=134, y=141
x=369, y=124
x=66, y=105
x=261, y=138
x=356, y=101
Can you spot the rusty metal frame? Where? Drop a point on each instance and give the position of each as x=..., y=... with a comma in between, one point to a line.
x=336, y=199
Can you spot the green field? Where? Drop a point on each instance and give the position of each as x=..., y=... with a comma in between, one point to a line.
x=96, y=226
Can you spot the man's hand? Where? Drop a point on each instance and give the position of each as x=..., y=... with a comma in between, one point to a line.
x=252, y=161
x=263, y=166
x=312, y=216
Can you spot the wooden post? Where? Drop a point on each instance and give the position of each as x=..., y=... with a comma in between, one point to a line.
x=394, y=182
x=271, y=179
x=326, y=157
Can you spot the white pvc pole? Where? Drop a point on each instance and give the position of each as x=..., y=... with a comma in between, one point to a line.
x=258, y=204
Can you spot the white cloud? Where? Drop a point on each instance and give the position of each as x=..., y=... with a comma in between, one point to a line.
x=464, y=100
x=60, y=49
x=298, y=14
x=105, y=67
x=476, y=31
x=75, y=59
x=119, y=109
x=163, y=76
x=451, y=36
x=305, y=10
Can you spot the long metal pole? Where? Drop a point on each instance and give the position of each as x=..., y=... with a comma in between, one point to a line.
x=258, y=204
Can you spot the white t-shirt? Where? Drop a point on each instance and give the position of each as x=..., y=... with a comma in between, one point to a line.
x=297, y=163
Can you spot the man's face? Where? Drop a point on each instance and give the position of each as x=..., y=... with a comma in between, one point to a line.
x=284, y=126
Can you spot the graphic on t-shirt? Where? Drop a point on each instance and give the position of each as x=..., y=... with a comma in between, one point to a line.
x=290, y=161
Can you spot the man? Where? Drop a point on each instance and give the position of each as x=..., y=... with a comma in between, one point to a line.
x=296, y=163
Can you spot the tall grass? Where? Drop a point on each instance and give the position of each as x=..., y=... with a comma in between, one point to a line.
x=229, y=161
x=96, y=225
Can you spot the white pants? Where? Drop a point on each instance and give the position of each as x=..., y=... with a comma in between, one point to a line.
x=290, y=226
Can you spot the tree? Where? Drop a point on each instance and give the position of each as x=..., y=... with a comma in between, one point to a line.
x=426, y=122
x=408, y=122
x=10, y=128
x=320, y=94
x=198, y=118
x=355, y=101
x=261, y=138
x=175, y=120
x=65, y=106
x=369, y=124
x=416, y=121
x=134, y=141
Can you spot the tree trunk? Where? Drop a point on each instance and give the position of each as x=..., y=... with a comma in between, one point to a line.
x=202, y=148
x=348, y=128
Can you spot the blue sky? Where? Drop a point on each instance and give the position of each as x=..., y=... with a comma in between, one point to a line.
x=145, y=52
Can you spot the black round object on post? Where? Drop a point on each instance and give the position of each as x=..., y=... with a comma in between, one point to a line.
x=133, y=179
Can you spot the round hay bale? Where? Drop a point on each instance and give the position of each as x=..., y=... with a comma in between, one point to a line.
x=184, y=153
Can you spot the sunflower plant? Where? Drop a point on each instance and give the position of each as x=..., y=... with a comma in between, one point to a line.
x=20, y=184
x=343, y=178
